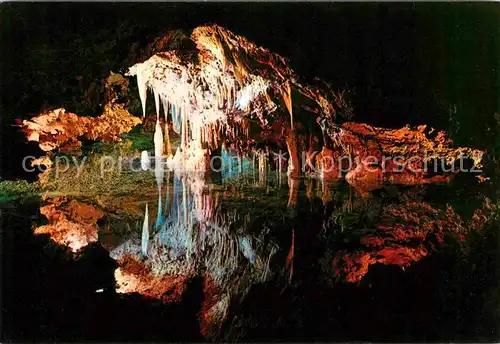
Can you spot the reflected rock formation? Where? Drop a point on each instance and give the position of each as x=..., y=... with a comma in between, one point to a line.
x=195, y=237
x=394, y=234
x=71, y=223
x=227, y=234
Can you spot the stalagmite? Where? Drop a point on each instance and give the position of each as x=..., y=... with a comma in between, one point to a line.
x=145, y=161
x=262, y=168
x=168, y=148
x=293, y=162
x=184, y=128
x=145, y=233
x=158, y=140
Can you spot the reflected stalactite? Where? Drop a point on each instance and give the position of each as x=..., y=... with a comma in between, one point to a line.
x=145, y=232
x=159, y=182
x=290, y=257
x=198, y=236
x=327, y=191
x=263, y=169
x=293, y=185
x=309, y=183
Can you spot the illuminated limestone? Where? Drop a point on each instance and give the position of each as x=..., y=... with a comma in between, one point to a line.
x=212, y=97
x=226, y=89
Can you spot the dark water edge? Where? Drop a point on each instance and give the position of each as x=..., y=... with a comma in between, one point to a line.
x=47, y=295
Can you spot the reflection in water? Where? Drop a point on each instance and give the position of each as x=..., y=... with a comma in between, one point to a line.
x=71, y=223
x=225, y=232
x=145, y=232
x=396, y=234
x=194, y=235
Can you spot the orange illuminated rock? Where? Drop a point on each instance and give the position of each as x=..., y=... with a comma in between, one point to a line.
x=114, y=121
x=407, y=233
x=58, y=130
x=55, y=129
x=72, y=224
x=133, y=276
x=209, y=315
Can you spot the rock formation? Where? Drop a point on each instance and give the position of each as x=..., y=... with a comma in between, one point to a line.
x=219, y=88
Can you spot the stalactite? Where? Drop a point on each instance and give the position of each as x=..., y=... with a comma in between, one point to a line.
x=287, y=98
x=184, y=201
x=183, y=129
x=176, y=115
x=142, y=86
x=157, y=103
x=185, y=132
x=293, y=162
x=167, y=148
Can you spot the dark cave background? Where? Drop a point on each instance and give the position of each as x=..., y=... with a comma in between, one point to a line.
x=433, y=63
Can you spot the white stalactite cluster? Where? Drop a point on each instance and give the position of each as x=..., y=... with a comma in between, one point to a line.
x=203, y=100
x=192, y=232
x=212, y=92
x=200, y=102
